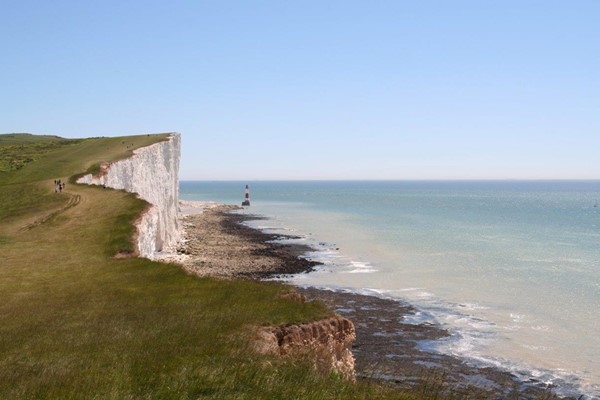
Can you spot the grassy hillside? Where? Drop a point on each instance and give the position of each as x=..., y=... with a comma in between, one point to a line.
x=20, y=149
x=24, y=138
x=76, y=323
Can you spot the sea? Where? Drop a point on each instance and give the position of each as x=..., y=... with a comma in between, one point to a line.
x=510, y=268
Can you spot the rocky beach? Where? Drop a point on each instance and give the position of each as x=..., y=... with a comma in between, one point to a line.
x=218, y=244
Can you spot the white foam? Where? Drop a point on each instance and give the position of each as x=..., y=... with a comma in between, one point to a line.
x=541, y=328
x=360, y=268
x=472, y=306
x=536, y=348
x=419, y=318
x=517, y=317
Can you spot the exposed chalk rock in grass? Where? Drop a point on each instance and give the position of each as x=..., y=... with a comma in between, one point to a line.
x=326, y=343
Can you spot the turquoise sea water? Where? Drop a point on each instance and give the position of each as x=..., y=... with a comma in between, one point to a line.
x=512, y=268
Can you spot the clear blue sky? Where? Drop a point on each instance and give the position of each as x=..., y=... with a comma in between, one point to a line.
x=317, y=89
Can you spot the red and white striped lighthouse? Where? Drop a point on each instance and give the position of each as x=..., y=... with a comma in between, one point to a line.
x=246, y=201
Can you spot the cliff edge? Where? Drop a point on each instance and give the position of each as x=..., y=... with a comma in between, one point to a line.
x=152, y=173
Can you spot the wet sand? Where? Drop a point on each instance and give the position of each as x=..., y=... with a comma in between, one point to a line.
x=387, y=348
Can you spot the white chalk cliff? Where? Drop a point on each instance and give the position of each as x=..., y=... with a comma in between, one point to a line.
x=153, y=173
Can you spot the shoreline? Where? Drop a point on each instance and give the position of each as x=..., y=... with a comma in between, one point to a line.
x=387, y=349
x=219, y=245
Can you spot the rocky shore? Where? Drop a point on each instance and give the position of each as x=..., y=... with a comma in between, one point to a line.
x=387, y=348
x=219, y=245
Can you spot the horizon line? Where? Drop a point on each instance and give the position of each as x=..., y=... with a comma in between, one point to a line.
x=401, y=180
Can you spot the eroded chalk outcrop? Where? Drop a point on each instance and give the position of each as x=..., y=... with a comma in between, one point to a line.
x=153, y=173
x=327, y=343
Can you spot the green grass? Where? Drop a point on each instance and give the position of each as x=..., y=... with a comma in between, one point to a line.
x=20, y=149
x=24, y=138
x=76, y=323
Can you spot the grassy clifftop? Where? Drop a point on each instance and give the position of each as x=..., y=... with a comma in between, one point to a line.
x=77, y=323
x=20, y=149
x=57, y=157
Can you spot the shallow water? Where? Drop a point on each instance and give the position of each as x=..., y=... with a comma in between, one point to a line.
x=512, y=268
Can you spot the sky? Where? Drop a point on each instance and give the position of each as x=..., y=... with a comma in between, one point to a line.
x=348, y=89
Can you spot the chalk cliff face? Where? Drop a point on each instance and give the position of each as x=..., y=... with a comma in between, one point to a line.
x=153, y=173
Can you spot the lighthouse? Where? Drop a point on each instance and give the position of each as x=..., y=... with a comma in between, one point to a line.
x=246, y=201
